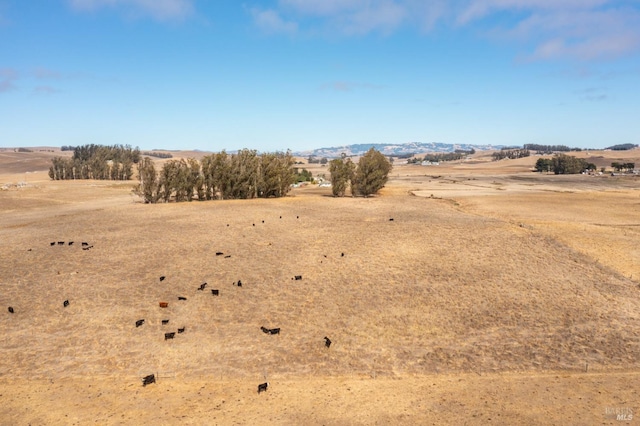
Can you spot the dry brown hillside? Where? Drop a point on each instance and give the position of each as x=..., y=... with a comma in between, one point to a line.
x=494, y=293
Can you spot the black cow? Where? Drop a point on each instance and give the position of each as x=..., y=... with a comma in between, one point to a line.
x=147, y=380
x=239, y=283
x=202, y=286
x=391, y=220
x=327, y=342
x=139, y=323
x=263, y=221
x=219, y=253
x=181, y=330
x=70, y=243
x=263, y=387
x=298, y=277
x=165, y=322
x=60, y=243
x=280, y=217
x=227, y=256
x=10, y=310
x=182, y=298
x=168, y=336
x=297, y=217
x=65, y=303
x=84, y=244
x=162, y=278
x=215, y=292
x=270, y=330
x=53, y=243
x=87, y=248
x=342, y=255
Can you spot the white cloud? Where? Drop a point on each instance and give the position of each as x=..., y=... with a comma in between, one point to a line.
x=270, y=21
x=551, y=29
x=348, y=86
x=44, y=90
x=46, y=73
x=593, y=94
x=161, y=10
x=7, y=78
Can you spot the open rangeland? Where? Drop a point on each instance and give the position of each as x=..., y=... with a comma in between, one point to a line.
x=494, y=296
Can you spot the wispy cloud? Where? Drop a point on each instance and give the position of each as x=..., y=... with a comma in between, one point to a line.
x=593, y=94
x=348, y=86
x=160, y=10
x=271, y=22
x=44, y=90
x=8, y=76
x=582, y=30
x=46, y=73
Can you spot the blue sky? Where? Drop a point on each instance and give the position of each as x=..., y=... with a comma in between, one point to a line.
x=302, y=74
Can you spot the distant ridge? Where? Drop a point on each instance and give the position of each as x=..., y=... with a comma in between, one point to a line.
x=393, y=149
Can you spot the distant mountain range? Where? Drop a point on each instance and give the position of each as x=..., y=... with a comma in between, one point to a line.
x=393, y=149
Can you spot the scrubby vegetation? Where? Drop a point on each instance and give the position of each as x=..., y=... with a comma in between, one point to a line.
x=96, y=162
x=218, y=176
x=303, y=175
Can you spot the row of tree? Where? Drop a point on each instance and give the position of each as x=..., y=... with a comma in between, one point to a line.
x=618, y=167
x=442, y=156
x=511, y=154
x=96, y=162
x=219, y=176
x=367, y=178
x=315, y=160
x=157, y=154
x=547, y=149
x=622, y=147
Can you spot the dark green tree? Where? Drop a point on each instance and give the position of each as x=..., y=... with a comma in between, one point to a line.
x=149, y=186
x=372, y=173
x=342, y=174
x=563, y=164
x=544, y=165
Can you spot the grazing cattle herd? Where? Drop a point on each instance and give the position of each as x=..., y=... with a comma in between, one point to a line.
x=149, y=379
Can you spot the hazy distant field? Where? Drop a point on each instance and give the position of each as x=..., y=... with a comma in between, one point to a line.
x=495, y=293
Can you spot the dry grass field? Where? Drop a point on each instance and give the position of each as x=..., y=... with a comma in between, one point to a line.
x=495, y=296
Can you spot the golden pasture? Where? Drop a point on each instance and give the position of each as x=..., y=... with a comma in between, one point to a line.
x=496, y=295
